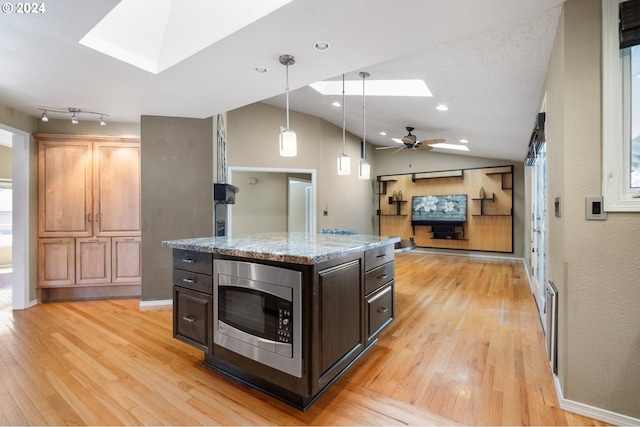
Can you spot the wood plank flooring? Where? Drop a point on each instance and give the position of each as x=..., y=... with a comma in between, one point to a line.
x=466, y=347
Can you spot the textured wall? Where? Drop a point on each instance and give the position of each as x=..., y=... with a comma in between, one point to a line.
x=593, y=263
x=252, y=141
x=177, y=193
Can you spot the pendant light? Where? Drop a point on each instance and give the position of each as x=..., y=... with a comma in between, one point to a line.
x=344, y=163
x=364, y=171
x=288, y=141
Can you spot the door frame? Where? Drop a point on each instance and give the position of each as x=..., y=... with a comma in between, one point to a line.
x=312, y=202
x=21, y=275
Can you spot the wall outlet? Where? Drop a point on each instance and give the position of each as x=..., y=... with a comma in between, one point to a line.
x=594, y=208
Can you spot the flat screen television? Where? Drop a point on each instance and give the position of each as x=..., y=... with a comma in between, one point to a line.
x=449, y=209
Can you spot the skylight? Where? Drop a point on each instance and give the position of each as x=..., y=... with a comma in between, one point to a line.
x=451, y=146
x=374, y=87
x=157, y=35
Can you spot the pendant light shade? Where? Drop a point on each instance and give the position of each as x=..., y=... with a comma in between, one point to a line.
x=288, y=139
x=344, y=162
x=364, y=171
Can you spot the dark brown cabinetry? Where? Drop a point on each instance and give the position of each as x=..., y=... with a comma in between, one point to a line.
x=346, y=302
x=378, y=283
x=193, y=298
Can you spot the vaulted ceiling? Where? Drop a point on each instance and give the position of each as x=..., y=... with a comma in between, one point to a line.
x=485, y=59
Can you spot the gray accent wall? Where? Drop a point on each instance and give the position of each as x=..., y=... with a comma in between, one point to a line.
x=177, y=192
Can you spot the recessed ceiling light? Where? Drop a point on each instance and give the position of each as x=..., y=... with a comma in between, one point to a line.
x=383, y=133
x=451, y=146
x=336, y=104
x=464, y=141
x=321, y=45
x=374, y=87
x=442, y=107
x=398, y=140
x=261, y=70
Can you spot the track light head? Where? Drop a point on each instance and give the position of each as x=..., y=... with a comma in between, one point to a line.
x=44, y=116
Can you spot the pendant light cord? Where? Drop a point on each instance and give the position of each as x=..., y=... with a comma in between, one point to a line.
x=344, y=119
x=286, y=88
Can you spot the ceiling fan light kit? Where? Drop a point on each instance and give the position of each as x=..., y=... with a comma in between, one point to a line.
x=288, y=139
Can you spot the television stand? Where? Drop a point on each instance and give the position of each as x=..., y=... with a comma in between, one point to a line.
x=442, y=230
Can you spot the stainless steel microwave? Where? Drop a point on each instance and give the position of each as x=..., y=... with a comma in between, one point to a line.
x=257, y=313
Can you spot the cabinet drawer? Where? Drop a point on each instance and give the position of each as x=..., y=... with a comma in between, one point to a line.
x=379, y=309
x=194, y=281
x=377, y=277
x=192, y=315
x=198, y=262
x=377, y=256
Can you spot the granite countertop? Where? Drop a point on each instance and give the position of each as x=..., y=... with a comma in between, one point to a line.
x=296, y=248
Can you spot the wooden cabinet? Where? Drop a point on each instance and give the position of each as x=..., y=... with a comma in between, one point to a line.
x=89, y=198
x=340, y=314
x=56, y=262
x=193, y=298
x=379, y=290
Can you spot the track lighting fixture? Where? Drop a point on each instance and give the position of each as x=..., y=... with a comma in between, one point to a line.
x=75, y=112
x=344, y=163
x=288, y=140
x=364, y=172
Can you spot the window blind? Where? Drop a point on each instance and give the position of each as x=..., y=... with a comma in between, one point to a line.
x=629, y=23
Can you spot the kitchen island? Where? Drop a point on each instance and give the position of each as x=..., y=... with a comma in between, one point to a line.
x=286, y=313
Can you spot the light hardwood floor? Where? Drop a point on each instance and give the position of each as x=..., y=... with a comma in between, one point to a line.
x=466, y=347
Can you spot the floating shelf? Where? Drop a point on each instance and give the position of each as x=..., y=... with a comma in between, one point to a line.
x=459, y=173
x=384, y=182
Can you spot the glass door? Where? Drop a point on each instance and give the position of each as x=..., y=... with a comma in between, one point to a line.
x=539, y=228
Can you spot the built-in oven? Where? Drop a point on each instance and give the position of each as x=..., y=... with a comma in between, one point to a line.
x=257, y=313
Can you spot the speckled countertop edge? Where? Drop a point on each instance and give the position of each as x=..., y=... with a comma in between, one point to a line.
x=296, y=248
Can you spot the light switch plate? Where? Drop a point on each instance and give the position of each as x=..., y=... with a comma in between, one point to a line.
x=594, y=208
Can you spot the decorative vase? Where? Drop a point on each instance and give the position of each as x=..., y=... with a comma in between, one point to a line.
x=482, y=194
x=394, y=196
x=399, y=195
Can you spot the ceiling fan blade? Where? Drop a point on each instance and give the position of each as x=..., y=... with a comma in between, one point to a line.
x=424, y=147
x=398, y=150
x=431, y=141
x=384, y=148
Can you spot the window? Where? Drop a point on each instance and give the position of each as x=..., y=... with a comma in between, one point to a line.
x=620, y=116
x=5, y=214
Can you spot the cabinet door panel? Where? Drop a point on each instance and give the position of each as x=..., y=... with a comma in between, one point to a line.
x=126, y=260
x=56, y=262
x=117, y=188
x=93, y=264
x=64, y=188
x=341, y=299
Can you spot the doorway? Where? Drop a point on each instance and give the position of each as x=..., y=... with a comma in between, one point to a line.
x=19, y=142
x=272, y=200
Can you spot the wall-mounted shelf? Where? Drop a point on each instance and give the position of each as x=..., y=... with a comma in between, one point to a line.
x=458, y=173
x=488, y=199
x=398, y=204
x=506, y=176
x=382, y=185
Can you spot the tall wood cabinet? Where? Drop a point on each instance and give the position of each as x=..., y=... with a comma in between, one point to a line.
x=88, y=217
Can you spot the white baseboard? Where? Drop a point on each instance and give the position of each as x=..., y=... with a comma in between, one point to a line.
x=591, y=411
x=155, y=303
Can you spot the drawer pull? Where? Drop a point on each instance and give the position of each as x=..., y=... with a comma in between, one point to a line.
x=188, y=260
x=382, y=256
x=382, y=309
x=188, y=280
x=190, y=318
x=384, y=276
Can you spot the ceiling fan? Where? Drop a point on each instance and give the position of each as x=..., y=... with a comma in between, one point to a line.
x=410, y=143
